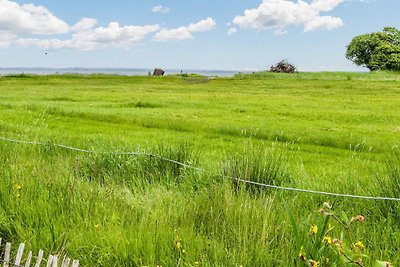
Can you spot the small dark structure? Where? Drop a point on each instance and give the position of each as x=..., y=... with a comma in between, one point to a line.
x=158, y=72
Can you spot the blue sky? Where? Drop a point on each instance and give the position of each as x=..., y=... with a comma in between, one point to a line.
x=188, y=34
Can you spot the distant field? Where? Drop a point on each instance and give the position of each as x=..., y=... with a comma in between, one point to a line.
x=334, y=132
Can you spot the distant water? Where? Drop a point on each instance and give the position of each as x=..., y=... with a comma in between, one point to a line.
x=115, y=71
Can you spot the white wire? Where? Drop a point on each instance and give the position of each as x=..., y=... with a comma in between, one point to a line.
x=205, y=171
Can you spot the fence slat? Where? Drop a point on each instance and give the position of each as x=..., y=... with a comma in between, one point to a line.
x=49, y=261
x=7, y=255
x=75, y=263
x=55, y=261
x=19, y=254
x=28, y=259
x=66, y=262
x=39, y=258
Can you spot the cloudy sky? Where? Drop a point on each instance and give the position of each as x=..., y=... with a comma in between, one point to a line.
x=187, y=34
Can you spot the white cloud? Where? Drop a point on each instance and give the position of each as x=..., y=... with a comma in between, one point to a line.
x=42, y=43
x=29, y=19
x=6, y=39
x=84, y=24
x=324, y=22
x=278, y=14
x=280, y=31
x=160, y=9
x=185, y=32
x=232, y=31
x=88, y=38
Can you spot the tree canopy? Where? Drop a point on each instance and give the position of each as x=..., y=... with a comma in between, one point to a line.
x=377, y=50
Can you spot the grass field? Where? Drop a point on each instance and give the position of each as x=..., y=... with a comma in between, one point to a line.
x=334, y=132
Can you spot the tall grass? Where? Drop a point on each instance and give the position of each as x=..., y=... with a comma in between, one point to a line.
x=256, y=164
x=164, y=166
x=388, y=184
x=114, y=210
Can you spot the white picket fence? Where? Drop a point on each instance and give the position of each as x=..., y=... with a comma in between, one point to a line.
x=52, y=261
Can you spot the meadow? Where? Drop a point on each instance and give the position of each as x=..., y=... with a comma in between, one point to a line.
x=331, y=132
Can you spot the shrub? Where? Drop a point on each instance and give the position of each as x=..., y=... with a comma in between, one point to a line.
x=283, y=66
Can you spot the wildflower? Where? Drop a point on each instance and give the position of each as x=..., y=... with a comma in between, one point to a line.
x=360, y=218
x=18, y=187
x=327, y=240
x=178, y=244
x=327, y=205
x=313, y=230
x=97, y=226
x=196, y=264
x=358, y=245
x=302, y=255
x=337, y=243
x=314, y=263
x=18, y=195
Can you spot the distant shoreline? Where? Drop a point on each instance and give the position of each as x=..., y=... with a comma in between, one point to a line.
x=117, y=71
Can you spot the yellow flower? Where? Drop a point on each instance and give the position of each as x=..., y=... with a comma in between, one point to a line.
x=18, y=187
x=313, y=230
x=196, y=264
x=358, y=245
x=327, y=240
x=97, y=226
x=314, y=263
x=178, y=244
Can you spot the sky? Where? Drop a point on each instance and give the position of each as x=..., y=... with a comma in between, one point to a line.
x=188, y=34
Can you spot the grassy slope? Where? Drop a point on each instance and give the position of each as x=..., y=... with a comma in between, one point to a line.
x=335, y=131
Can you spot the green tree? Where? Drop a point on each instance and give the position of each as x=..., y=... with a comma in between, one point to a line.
x=377, y=50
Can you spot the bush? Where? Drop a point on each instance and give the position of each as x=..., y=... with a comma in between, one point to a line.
x=283, y=66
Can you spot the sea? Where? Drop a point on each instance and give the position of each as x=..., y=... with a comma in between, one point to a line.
x=117, y=71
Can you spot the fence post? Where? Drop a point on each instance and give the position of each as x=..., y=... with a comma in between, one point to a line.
x=39, y=259
x=7, y=255
x=49, y=261
x=28, y=259
x=65, y=262
x=19, y=254
x=55, y=261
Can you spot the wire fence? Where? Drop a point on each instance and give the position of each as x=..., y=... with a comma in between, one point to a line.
x=293, y=189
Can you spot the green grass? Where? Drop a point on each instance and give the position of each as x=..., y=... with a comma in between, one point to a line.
x=335, y=132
